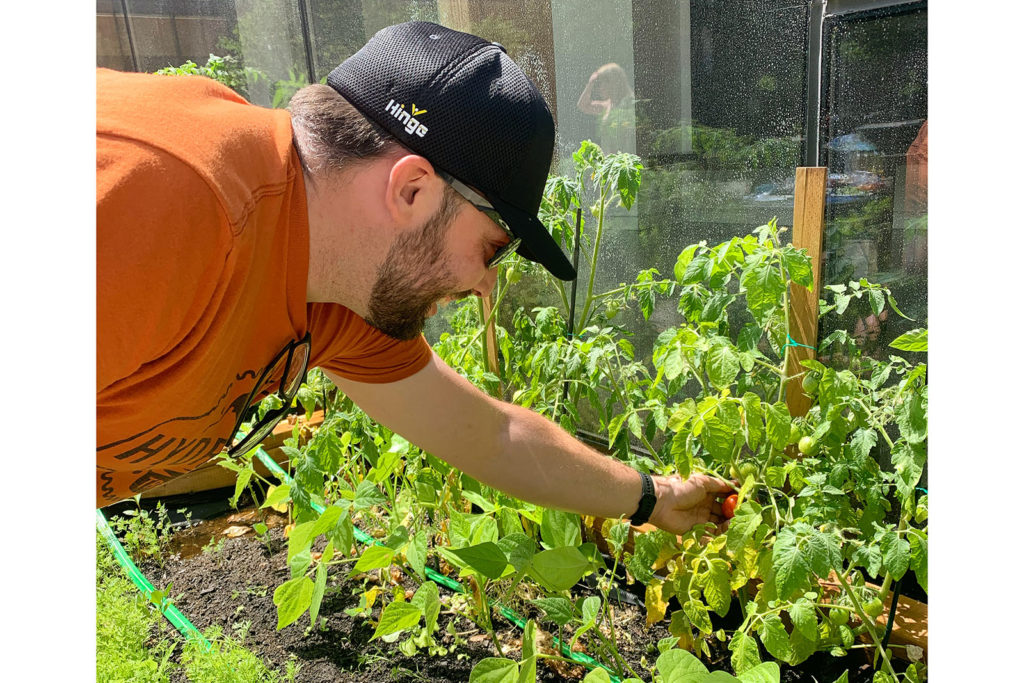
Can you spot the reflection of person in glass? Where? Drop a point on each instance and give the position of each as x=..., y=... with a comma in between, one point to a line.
x=609, y=96
x=915, y=243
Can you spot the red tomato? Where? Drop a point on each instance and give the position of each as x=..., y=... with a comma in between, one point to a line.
x=729, y=506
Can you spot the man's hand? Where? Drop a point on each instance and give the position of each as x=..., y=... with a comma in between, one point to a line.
x=683, y=504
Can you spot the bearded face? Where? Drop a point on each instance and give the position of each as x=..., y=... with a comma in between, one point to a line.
x=414, y=276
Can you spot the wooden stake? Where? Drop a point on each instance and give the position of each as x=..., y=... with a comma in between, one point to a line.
x=490, y=338
x=808, y=232
x=454, y=14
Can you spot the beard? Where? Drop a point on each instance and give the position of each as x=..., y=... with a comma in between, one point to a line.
x=414, y=276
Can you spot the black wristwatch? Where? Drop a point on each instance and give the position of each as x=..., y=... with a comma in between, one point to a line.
x=647, y=501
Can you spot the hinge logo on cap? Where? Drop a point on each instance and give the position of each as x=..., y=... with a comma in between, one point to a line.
x=412, y=126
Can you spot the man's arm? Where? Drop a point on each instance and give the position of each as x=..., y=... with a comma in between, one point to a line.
x=522, y=453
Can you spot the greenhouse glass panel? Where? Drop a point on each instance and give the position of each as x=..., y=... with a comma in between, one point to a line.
x=257, y=45
x=113, y=49
x=875, y=144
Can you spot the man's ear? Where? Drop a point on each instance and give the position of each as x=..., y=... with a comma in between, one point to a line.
x=413, y=192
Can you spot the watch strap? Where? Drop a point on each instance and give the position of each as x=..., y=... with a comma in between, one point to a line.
x=647, y=501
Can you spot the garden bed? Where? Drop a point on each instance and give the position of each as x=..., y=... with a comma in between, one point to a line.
x=221, y=574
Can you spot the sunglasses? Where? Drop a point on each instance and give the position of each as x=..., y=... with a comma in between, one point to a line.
x=287, y=371
x=485, y=207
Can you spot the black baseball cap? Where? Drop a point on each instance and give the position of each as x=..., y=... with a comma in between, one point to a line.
x=462, y=103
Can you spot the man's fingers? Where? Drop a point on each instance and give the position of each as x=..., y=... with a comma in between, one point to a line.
x=716, y=485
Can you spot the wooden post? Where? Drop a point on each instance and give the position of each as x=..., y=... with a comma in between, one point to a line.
x=808, y=232
x=454, y=14
x=490, y=336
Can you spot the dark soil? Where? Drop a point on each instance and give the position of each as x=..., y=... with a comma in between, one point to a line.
x=232, y=584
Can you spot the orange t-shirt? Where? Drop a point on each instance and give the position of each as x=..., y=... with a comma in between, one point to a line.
x=202, y=247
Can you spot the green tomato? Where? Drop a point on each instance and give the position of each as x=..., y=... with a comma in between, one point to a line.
x=611, y=309
x=810, y=383
x=873, y=608
x=748, y=469
x=794, y=432
x=808, y=446
x=838, y=616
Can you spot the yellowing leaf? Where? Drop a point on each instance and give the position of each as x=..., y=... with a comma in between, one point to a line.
x=371, y=597
x=656, y=604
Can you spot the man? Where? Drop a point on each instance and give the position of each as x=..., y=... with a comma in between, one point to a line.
x=238, y=244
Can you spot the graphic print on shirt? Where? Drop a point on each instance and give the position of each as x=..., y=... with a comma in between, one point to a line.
x=176, y=445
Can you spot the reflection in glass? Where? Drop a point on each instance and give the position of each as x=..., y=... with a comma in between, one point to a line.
x=876, y=150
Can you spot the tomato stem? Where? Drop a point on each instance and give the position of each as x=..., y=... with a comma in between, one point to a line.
x=869, y=622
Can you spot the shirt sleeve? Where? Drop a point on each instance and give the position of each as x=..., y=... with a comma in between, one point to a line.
x=346, y=345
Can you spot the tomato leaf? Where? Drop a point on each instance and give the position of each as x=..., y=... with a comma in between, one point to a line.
x=789, y=562
x=697, y=613
x=919, y=556
x=753, y=420
x=682, y=414
x=895, y=554
x=774, y=636
x=722, y=364
x=764, y=287
x=744, y=652
x=717, y=591
x=801, y=613
x=912, y=417
x=778, y=422
x=718, y=439
x=915, y=340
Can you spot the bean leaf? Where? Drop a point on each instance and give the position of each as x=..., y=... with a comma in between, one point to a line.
x=397, y=616
x=292, y=599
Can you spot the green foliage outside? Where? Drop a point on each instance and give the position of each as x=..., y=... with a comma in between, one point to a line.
x=229, y=71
